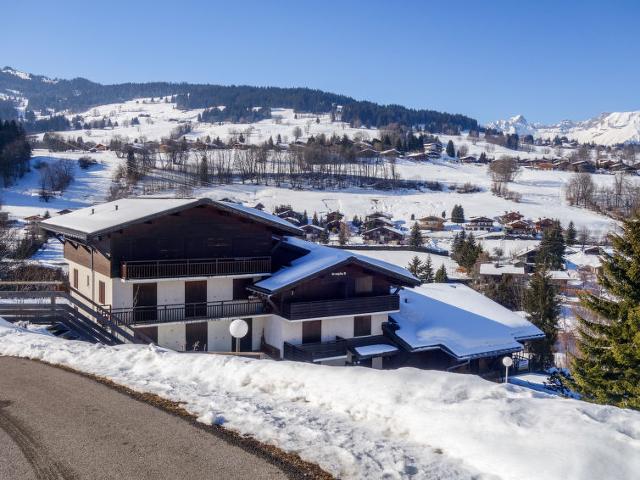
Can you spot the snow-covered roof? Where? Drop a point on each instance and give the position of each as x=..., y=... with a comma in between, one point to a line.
x=581, y=259
x=311, y=226
x=374, y=350
x=460, y=320
x=503, y=269
x=320, y=258
x=559, y=275
x=110, y=216
x=387, y=228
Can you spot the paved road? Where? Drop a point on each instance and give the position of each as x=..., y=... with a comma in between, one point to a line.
x=58, y=425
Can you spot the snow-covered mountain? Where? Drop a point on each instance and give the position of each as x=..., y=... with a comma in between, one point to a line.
x=605, y=129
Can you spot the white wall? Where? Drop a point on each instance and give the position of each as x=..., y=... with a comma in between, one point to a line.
x=170, y=292
x=219, y=289
x=218, y=336
x=172, y=336
x=341, y=327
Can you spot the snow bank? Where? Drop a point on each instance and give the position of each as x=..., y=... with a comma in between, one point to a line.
x=362, y=423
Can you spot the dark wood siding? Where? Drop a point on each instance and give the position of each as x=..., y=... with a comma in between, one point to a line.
x=240, y=285
x=195, y=296
x=151, y=332
x=81, y=254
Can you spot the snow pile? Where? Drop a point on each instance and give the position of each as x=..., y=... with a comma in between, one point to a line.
x=363, y=423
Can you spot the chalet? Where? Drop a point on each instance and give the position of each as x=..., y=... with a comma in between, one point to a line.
x=469, y=159
x=377, y=222
x=582, y=166
x=101, y=147
x=368, y=153
x=334, y=216
x=64, y=211
x=433, y=150
x=431, y=222
x=509, y=217
x=384, y=235
x=417, y=156
x=449, y=326
x=527, y=258
x=542, y=224
x=392, y=152
x=312, y=232
x=479, y=224
x=259, y=206
x=178, y=271
x=493, y=272
x=519, y=227
x=378, y=215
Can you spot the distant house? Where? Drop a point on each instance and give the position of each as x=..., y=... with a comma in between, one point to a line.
x=368, y=153
x=495, y=271
x=542, y=224
x=519, y=227
x=469, y=159
x=384, y=235
x=392, y=152
x=334, y=216
x=259, y=206
x=292, y=220
x=479, y=224
x=377, y=222
x=509, y=217
x=377, y=215
x=527, y=257
x=64, y=211
x=101, y=147
x=312, y=232
x=417, y=156
x=431, y=222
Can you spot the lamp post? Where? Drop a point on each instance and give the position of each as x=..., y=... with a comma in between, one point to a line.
x=507, y=362
x=238, y=329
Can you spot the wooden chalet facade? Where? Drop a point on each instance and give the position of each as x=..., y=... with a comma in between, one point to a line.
x=431, y=222
x=180, y=270
x=479, y=224
x=384, y=235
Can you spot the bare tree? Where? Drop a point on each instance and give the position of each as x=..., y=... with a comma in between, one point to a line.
x=580, y=190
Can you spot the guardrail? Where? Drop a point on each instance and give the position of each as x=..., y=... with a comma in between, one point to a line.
x=337, y=307
x=199, y=267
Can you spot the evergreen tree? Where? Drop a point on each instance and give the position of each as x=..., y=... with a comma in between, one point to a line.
x=324, y=236
x=305, y=218
x=451, y=150
x=542, y=307
x=203, y=170
x=132, y=166
x=315, y=220
x=457, y=214
x=441, y=275
x=469, y=253
x=607, y=370
x=415, y=237
x=571, y=234
x=415, y=266
x=552, y=246
x=427, y=271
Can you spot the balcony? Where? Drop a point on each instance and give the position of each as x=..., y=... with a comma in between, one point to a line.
x=188, y=311
x=199, y=267
x=315, y=352
x=339, y=307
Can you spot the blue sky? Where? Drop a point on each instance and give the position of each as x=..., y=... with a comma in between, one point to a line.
x=548, y=60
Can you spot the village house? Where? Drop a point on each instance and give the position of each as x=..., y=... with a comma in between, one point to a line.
x=333, y=220
x=495, y=272
x=479, y=224
x=178, y=271
x=431, y=222
x=384, y=235
x=312, y=232
x=519, y=227
x=469, y=159
x=542, y=224
x=509, y=217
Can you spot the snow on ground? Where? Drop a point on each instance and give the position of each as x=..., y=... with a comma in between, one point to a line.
x=90, y=185
x=363, y=423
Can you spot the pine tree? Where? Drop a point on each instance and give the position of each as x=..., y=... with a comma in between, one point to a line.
x=415, y=266
x=315, y=220
x=552, y=246
x=571, y=234
x=469, y=252
x=324, y=236
x=203, y=171
x=457, y=214
x=607, y=370
x=415, y=237
x=542, y=307
x=441, y=275
x=451, y=150
x=132, y=166
x=305, y=218
x=427, y=271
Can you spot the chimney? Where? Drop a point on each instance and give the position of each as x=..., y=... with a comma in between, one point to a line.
x=116, y=207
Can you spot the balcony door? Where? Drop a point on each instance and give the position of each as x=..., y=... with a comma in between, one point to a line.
x=312, y=331
x=195, y=299
x=196, y=336
x=145, y=302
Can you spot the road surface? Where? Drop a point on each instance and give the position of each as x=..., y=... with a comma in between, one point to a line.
x=56, y=424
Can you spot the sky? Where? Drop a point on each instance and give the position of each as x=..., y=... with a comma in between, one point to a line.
x=547, y=60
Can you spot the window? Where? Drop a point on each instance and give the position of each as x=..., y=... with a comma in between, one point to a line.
x=75, y=278
x=362, y=326
x=364, y=284
x=101, y=293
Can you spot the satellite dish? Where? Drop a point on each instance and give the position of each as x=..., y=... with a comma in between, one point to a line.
x=507, y=361
x=238, y=328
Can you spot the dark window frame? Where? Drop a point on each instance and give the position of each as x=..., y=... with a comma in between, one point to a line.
x=362, y=326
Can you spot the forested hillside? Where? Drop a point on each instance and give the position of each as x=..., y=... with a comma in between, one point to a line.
x=81, y=94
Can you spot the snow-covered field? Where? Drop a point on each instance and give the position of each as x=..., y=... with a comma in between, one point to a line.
x=363, y=423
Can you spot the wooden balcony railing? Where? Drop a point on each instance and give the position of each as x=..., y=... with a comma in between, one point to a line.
x=199, y=267
x=345, y=306
x=188, y=311
x=312, y=352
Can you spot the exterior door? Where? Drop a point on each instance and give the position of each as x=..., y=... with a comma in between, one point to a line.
x=195, y=299
x=145, y=302
x=246, y=343
x=196, y=336
x=312, y=331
